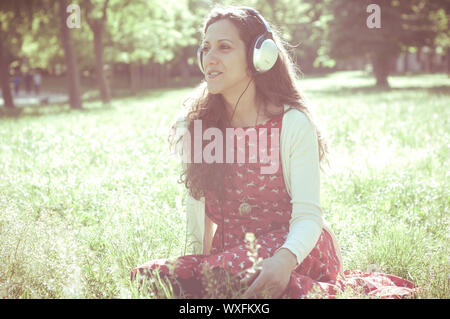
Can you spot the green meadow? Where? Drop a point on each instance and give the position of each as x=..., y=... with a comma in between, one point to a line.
x=87, y=195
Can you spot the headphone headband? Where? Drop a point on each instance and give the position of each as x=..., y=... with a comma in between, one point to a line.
x=256, y=14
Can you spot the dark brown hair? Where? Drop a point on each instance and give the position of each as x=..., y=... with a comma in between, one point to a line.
x=276, y=86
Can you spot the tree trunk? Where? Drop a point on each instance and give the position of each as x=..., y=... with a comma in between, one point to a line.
x=428, y=61
x=4, y=75
x=406, y=62
x=419, y=59
x=381, y=65
x=447, y=56
x=146, y=76
x=105, y=93
x=71, y=62
x=134, y=77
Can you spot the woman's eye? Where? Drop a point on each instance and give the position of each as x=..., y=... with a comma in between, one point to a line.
x=222, y=47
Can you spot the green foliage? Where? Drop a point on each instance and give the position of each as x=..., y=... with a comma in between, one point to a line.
x=141, y=31
x=134, y=31
x=42, y=44
x=147, y=30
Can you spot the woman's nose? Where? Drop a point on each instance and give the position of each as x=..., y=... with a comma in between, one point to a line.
x=210, y=57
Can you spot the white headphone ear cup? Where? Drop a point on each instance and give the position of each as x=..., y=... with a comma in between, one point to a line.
x=265, y=54
x=199, y=59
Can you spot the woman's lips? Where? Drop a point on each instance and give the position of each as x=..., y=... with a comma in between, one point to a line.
x=213, y=76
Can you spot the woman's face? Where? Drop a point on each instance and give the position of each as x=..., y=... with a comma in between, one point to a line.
x=224, y=59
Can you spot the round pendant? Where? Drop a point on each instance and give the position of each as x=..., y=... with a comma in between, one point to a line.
x=245, y=208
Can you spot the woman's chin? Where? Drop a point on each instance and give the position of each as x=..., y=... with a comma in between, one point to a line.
x=214, y=89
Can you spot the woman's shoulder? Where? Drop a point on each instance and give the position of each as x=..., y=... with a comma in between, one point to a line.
x=294, y=117
x=297, y=130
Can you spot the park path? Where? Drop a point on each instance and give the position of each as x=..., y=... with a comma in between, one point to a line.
x=27, y=99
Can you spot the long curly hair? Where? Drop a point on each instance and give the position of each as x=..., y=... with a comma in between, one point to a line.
x=276, y=86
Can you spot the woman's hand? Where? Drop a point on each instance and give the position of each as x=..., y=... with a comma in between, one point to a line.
x=274, y=275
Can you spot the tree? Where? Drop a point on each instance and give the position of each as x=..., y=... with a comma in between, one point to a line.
x=15, y=17
x=73, y=78
x=96, y=17
x=440, y=17
x=148, y=32
x=4, y=70
x=403, y=24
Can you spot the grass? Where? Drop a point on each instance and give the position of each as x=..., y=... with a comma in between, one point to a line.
x=85, y=196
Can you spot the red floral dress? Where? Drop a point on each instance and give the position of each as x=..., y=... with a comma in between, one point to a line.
x=266, y=214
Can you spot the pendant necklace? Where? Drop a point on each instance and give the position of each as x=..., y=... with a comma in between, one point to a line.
x=245, y=208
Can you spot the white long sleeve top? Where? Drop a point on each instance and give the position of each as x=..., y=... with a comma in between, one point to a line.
x=299, y=154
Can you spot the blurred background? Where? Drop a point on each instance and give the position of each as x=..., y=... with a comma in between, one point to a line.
x=72, y=51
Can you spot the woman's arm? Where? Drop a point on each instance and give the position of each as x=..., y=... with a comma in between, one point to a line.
x=304, y=176
x=306, y=219
x=210, y=229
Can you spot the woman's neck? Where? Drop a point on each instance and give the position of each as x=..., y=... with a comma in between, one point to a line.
x=246, y=111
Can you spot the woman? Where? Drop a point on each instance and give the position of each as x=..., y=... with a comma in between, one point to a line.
x=249, y=94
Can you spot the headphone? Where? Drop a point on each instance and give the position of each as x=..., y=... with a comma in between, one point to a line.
x=263, y=52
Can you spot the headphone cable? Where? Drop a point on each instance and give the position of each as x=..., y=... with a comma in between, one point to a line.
x=223, y=216
x=235, y=107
